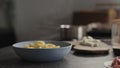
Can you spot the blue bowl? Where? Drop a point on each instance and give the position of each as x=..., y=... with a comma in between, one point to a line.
x=44, y=54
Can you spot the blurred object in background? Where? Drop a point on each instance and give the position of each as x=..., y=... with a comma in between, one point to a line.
x=100, y=34
x=97, y=26
x=116, y=36
x=70, y=32
x=112, y=9
x=7, y=35
x=116, y=33
x=99, y=30
x=97, y=22
x=78, y=32
x=85, y=17
x=65, y=32
x=94, y=25
x=81, y=32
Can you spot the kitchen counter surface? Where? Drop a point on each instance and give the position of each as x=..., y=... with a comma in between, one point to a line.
x=8, y=59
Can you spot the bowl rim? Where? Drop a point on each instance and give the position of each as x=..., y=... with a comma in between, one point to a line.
x=14, y=45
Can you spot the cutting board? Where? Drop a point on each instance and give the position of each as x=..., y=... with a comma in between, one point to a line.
x=116, y=50
x=102, y=49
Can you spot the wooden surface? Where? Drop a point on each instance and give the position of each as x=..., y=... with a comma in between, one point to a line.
x=8, y=59
x=102, y=47
x=87, y=17
x=99, y=50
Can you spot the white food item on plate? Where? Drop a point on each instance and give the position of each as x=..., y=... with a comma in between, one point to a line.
x=89, y=41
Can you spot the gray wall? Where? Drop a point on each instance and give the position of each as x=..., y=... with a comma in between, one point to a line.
x=90, y=4
x=40, y=19
x=3, y=23
x=77, y=5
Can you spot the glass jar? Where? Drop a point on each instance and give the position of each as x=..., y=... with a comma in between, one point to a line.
x=65, y=32
x=116, y=34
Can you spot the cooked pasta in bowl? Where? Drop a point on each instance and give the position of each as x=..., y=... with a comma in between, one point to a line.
x=41, y=44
